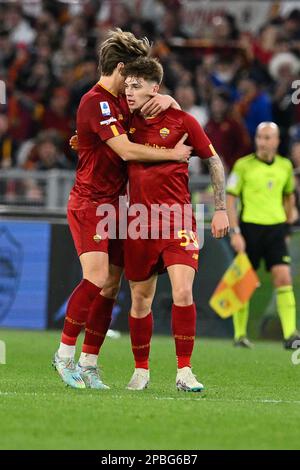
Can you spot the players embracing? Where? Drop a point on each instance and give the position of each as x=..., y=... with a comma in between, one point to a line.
x=101, y=178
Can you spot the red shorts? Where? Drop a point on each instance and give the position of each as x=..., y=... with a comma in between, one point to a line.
x=143, y=258
x=83, y=226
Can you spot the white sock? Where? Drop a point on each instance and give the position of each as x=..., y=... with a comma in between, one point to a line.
x=66, y=351
x=87, y=360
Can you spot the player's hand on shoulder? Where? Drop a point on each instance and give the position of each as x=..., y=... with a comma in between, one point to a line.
x=181, y=151
x=220, y=224
x=157, y=104
x=73, y=142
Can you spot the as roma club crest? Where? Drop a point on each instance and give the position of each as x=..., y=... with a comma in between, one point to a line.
x=97, y=238
x=164, y=132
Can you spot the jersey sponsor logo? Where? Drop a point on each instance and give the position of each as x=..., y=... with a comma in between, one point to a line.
x=164, y=132
x=132, y=130
x=155, y=146
x=120, y=117
x=97, y=238
x=105, y=109
x=270, y=184
x=108, y=121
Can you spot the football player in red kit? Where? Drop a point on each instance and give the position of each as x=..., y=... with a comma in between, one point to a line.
x=101, y=177
x=164, y=185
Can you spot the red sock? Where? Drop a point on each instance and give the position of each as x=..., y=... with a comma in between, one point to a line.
x=77, y=310
x=184, y=331
x=140, y=334
x=97, y=324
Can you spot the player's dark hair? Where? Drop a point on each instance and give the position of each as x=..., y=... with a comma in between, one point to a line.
x=121, y=46
x=149, y=69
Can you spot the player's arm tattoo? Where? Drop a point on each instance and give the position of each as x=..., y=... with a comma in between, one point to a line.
x=216, y=170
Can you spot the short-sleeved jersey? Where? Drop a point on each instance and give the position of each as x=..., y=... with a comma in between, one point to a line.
x=261, y=187
x=101, y=175
x=164, y=183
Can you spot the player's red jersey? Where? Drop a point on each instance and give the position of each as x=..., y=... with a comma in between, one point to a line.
x=101, y=175
x=164, y=183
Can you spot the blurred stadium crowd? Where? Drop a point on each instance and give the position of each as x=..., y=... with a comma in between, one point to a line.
x=228, y=77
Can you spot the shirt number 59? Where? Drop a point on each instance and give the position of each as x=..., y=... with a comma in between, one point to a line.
x=188, y=237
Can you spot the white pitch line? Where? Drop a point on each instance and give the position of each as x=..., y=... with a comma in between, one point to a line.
x=135, y=397
x=266, y=401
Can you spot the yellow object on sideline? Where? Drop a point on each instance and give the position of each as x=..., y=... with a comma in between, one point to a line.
x=235, y=288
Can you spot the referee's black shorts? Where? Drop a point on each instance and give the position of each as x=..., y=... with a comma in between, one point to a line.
x=267, y=242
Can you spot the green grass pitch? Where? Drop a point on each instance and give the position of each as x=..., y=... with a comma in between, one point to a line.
x=251, y=401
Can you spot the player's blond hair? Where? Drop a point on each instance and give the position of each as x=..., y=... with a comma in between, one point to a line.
x=150, y=69
x=121, y=46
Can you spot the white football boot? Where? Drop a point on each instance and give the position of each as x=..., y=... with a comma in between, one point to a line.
x=139, y=380
x=91, y=377
x=187, y=381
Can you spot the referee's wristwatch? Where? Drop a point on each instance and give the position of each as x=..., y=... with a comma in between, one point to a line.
x=235, y=229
